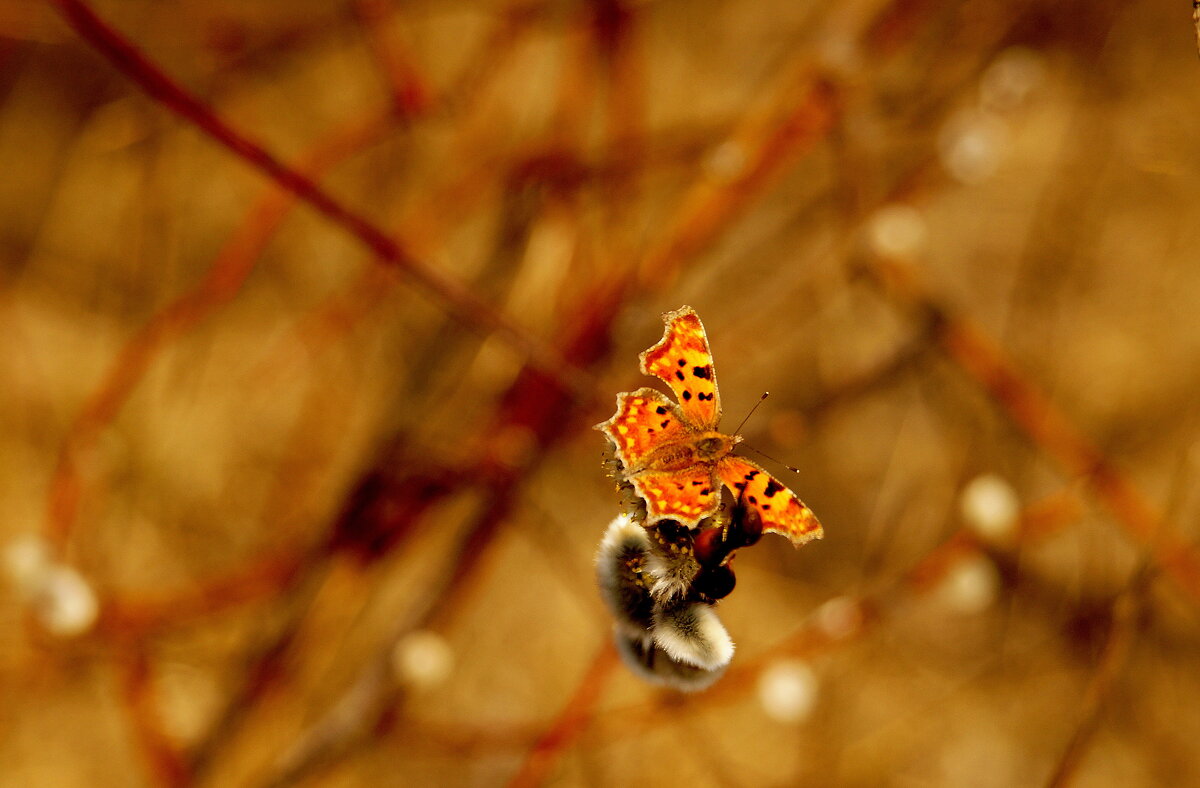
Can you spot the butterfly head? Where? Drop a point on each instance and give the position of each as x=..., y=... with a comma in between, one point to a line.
x=715, y=445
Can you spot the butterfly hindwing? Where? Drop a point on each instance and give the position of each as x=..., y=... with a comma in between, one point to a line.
x=781, y=511
x=683, y=360
x=686, y=496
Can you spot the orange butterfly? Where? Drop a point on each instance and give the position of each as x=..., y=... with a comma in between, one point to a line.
x=674, y=454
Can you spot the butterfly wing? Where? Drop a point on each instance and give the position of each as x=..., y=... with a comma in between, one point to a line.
x=686, y=496
x=682, y=359
x=645, y=419
x=781, y=511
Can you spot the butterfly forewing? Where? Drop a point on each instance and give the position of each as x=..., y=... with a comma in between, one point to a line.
x=682, y=359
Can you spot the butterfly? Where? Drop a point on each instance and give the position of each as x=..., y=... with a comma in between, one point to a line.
x=674, y=455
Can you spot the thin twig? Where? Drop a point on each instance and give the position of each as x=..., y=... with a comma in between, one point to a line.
x=801, y=114
x=408, y=89
x=1046, y=426
x=162, y=755
x=1112, y=661
x=570, y=723
x=221, y=283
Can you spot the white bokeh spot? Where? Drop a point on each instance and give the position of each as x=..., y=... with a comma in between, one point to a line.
x=787, y=691
x=422, y=659
x=990, y=508
x=64, y=602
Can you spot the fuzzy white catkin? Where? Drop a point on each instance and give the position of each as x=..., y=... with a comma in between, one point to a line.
x=990, y=507
x=692, y=634
x=787, y=691
x=422, y=659
x=64, y=602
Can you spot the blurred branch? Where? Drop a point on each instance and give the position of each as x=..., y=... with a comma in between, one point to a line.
x=449, y=292
x=177, y=608
x=570, y=723
x=1047, y=427
x=223, y=281
x=765, y=144
x=161, y=753
x=1112, y=660
x=370, y=705
x=409, y=91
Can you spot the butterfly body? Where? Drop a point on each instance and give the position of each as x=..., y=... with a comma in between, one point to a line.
x=696, y=448
x=675, y=456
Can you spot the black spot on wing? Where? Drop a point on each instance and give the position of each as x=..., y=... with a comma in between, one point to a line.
x=702, y=372
x=772, y=488
x=687, y=395
x=664, y=424
x=679, y=374
x=660, y=410
x=682, y=363
x=703, y=396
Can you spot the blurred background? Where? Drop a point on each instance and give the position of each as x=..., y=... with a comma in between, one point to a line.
x=306, y=310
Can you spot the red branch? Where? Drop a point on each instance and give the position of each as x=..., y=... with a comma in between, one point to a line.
x=801, y=115
x=572, y=722
x=1045, y=425
x=161, y=753
x=458, y=299
x=223, y=281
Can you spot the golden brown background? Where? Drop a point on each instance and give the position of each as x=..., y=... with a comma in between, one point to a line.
x=323, y=462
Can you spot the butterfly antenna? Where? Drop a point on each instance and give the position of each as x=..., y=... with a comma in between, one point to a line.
x=765, y=394
x=772, y=459
x=762, y=453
